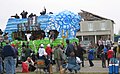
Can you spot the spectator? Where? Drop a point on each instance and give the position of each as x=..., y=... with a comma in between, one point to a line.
x=49, y=52
x=103, y=58
x=23, y=54
x=1, y=68
x=58, y=57
x=15, y=57
x=91, y=56
x=100, y=47
x=108, y=43
x=79, y=53
x=110, y=54
x=118, y=57
x=42, y=52
x=53, y=59
x=8, y=54
x=1, y=45
x=23, y=44
x=33, y=56
x=28, y=52
x=118, y=48
x=23, y=57
x=30, y=64
x=5, y=36
x=115, y=51
x=73, y=63
x=69, y=48
x=1, y=32
x=43, y=55
x=105, y=49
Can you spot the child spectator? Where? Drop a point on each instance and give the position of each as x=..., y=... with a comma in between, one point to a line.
x=103, y=58
x=30, y=64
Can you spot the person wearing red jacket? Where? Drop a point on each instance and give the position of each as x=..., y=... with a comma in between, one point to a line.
x=48, y=51
x=110, y=54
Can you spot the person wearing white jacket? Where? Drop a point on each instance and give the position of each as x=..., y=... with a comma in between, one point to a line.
x=42, y=52
x=43, y=56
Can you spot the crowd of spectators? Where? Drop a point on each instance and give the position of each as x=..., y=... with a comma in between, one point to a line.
x=70, y=57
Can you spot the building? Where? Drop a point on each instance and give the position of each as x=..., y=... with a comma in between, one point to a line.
x=94, y=27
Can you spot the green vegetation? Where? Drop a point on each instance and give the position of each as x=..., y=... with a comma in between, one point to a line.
x=34, y=45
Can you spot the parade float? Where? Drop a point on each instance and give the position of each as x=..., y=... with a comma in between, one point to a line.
x=36, y=29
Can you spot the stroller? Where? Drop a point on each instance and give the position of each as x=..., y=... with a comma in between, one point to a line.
x=73, y=64
x=43, y=63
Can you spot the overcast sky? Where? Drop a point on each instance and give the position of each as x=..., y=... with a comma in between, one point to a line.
x=106, y=8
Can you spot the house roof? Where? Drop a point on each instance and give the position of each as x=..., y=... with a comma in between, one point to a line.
x=87, y=16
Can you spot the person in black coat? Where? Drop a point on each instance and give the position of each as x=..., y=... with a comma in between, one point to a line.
x=8, y=54
x=79, y=53
x=69, y=48
x=43, y=12
x=16, y=16
x=24, y=14
x=115, y=51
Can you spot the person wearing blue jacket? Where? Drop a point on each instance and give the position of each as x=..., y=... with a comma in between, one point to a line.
x=91, y=56
x=8, y=54
x=105, y=50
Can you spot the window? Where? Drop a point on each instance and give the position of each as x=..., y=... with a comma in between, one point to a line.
x=90, y=26
x=103, y=26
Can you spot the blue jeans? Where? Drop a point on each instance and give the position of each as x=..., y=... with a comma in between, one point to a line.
x=14, y=67
x=1, y=65
x=119, y=63
x=9, y=65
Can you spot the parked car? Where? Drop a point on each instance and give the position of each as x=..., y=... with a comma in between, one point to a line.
x=85, y=44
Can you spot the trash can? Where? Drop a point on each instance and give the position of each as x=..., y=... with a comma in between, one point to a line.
x=116, y=68
x=111, y=68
